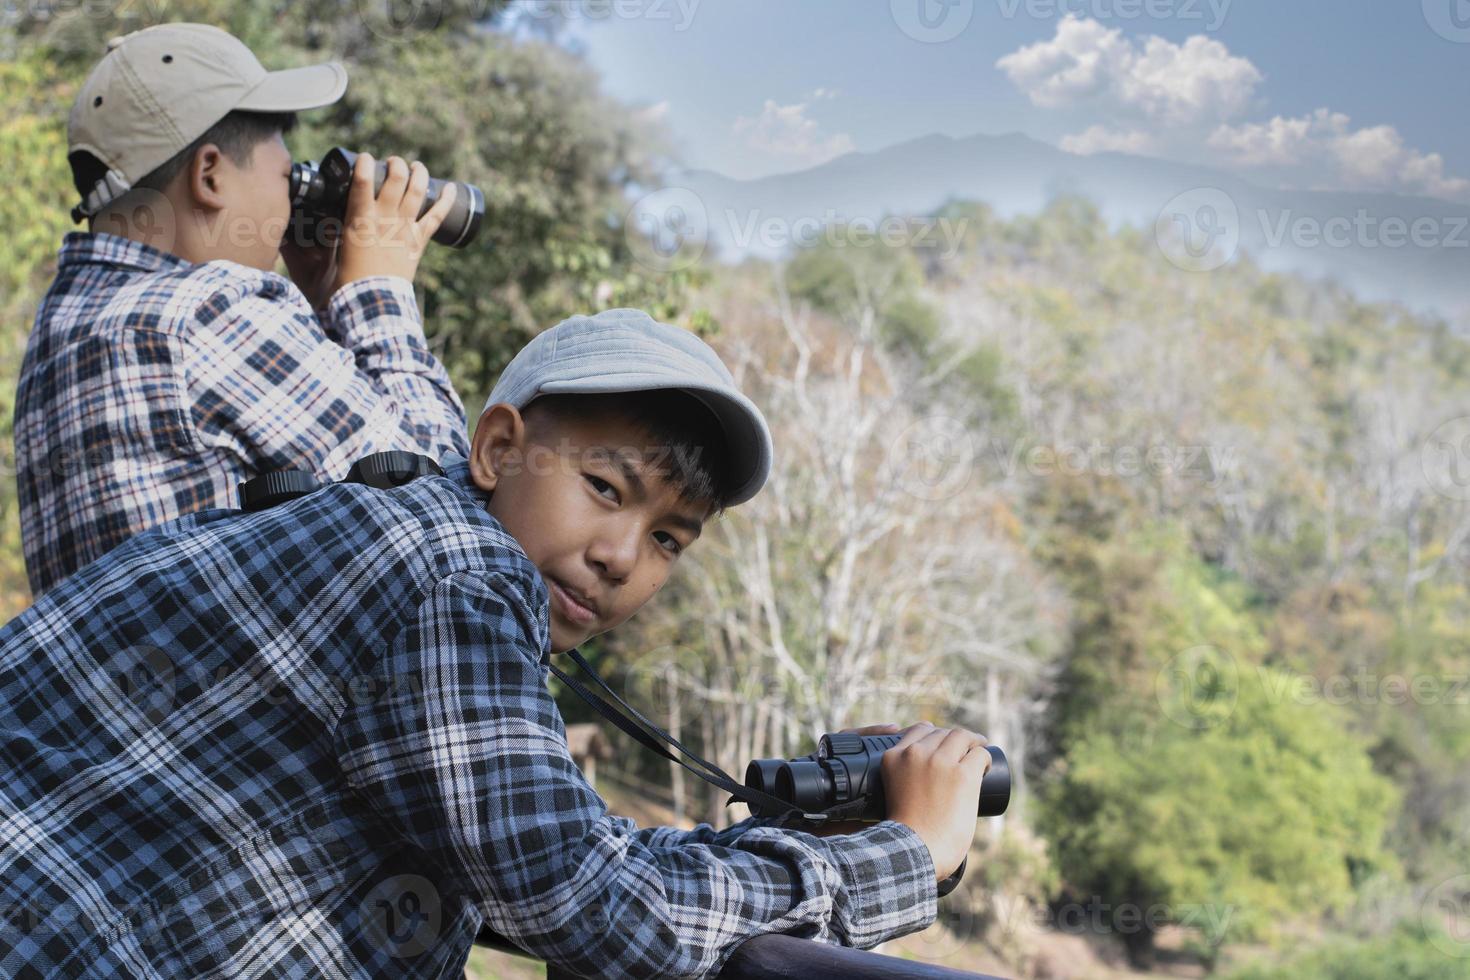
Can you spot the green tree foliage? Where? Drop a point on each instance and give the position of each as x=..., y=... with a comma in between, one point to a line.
x=1193, y=778
x=33, y=212
x=879, y=293
x=1408, y=954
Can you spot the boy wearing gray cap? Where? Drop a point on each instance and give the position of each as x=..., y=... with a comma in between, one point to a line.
x=168, y=361
x=335, y=753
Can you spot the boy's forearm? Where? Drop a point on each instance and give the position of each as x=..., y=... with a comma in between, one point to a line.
x=898, y=863
x=681, y=910
x=378, y=320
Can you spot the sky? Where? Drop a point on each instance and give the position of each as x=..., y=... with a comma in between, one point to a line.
x=1328, y=94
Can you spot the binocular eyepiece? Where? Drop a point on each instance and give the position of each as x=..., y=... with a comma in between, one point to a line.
x=846, y=767
x=320, y=191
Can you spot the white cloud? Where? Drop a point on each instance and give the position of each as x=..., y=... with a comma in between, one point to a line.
x=1101, y=139
x=1158, y=98
x=1155, y=79
x=1325, y=142
x=784, y=131
x=652, y=114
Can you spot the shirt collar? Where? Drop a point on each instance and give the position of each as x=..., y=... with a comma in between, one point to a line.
x=457, y=471
x=104, y=248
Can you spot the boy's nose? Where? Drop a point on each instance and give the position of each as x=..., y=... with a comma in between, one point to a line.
x=615, y=550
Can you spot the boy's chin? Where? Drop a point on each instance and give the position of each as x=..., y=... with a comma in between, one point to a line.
x=562, y=642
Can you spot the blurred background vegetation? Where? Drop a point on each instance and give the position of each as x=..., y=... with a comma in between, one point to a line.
x=1175, y=541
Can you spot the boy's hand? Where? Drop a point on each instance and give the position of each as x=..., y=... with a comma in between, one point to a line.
x=313, y=265
x=931, y=779
x=384, y=236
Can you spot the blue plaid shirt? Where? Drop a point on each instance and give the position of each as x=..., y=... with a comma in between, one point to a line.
x=316, y=741
x=152, y=385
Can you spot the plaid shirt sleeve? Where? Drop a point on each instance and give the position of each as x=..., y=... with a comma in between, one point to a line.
x=272, y=382
x=473, y=768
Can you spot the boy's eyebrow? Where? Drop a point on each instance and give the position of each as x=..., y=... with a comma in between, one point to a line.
x=687, y=523
x=625, y=465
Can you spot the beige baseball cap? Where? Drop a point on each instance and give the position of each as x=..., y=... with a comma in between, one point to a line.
x=157, y=90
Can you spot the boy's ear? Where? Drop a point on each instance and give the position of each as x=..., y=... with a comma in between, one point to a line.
x=500, y=439
x=205, y=177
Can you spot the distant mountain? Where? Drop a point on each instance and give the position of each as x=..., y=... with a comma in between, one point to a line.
x=1383, y=246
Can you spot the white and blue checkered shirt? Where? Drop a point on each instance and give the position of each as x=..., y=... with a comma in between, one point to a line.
x=316, y=741
x=151, y=386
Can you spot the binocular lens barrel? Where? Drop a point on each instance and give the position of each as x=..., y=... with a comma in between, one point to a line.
x=321, y=190
x=760, y=775
x=811, y=784
x=805, y=783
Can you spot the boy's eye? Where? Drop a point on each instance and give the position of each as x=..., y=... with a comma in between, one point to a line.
x=671, y=543
x=599, y=485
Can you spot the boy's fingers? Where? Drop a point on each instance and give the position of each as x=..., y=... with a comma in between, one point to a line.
x=434, y=217
x=418, y=186
x=887, y=728
x=919, y=742
x=362, y=179
x=395, y=183
x=957, y=745
x=912, y=734
x=931, y=741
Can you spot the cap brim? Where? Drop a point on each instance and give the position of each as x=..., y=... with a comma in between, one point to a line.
x=294, y=89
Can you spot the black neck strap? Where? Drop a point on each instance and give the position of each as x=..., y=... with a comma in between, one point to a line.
x=646, y=732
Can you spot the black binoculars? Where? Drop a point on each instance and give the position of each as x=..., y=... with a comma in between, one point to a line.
x=320, y=191
x=846, y=769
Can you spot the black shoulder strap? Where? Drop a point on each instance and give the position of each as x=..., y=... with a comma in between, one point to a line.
x=645, y=736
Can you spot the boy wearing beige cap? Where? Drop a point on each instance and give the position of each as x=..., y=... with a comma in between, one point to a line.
x=168, y=361
x=336, y=755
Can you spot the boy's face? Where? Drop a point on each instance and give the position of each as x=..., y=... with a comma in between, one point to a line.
x=258, y=204
x=586, y=502
x=216, y=209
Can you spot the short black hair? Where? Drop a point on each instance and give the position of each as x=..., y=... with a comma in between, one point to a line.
x=690, y=450
x=237, y=135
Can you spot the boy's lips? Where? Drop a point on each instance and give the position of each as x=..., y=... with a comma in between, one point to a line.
x=576, y=606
